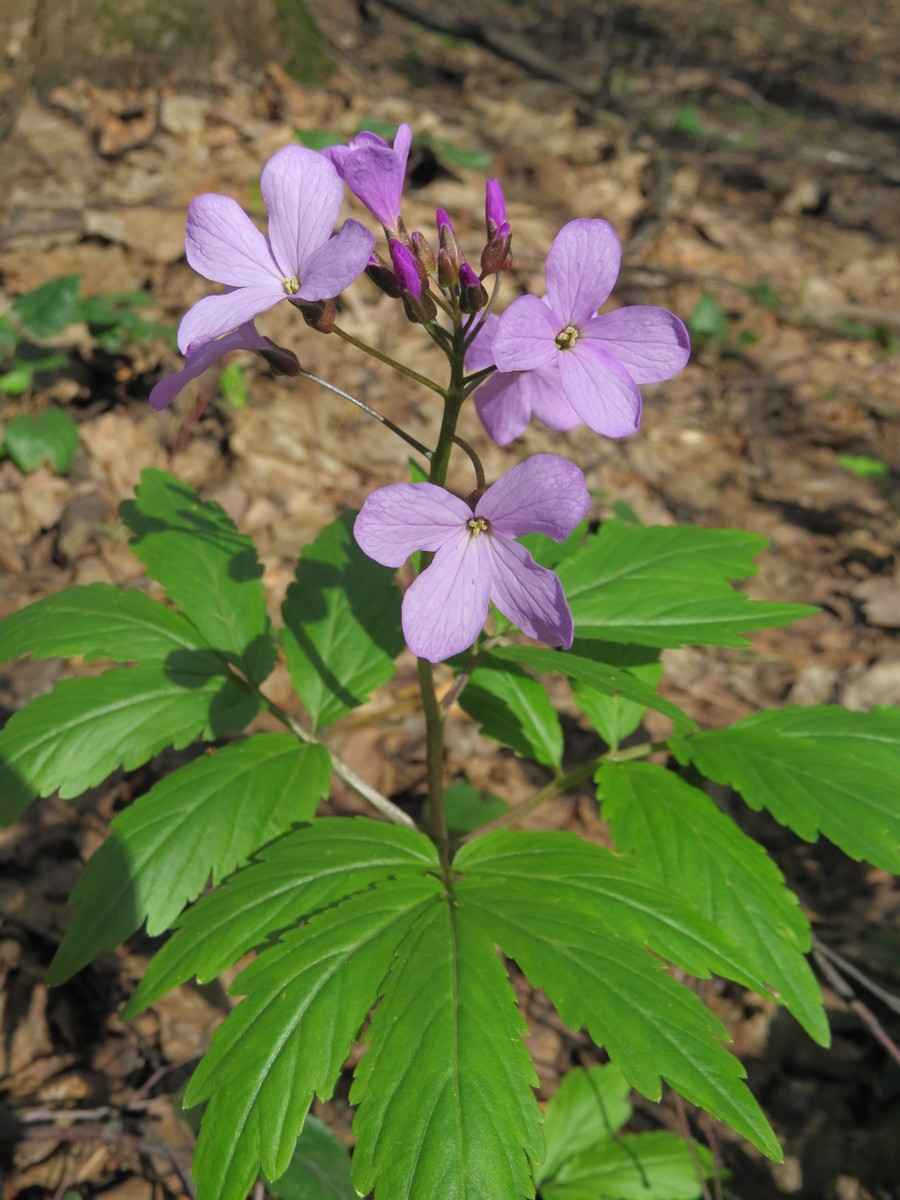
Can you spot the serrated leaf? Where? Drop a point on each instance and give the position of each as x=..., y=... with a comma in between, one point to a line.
x=51, y=308
x=204, y=820
x=514, y=709
x=668, y=586
x=609, y=680
x=606, y=887
x=305, y=1001
x=445, y=1090
x=819, y=769
x=49, y=436
x=634, y=1167
x=342, y=624
x=686, y=845
x=652, y=1027
x=97, y=622
x=71, y=739
x=209, y=569
x=614, y=717
x=293, y=878
x=319, y=1168
x=586, y=1109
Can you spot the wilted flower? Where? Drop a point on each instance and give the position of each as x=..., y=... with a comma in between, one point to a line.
x=300, y=259
x=476, y=559
x=199, y=359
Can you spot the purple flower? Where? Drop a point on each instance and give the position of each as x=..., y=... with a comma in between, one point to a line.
x=201, y=357
x=508, y=400
x=476, y=559
x=494, y=207
x=406, y=269
x=595, y=362
x=375, y=173
x=299, y=259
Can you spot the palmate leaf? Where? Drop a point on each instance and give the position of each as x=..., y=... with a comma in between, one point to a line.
x=96, y=622
x=686, y=845
x=203, y=820
x=209, y=569
x=819, y=769
x=319, y=1169
x=342, y=624
x=634, y=1167
x=306, y=1000
x=599, y=675
x=70, y=739
x=445, y=1090
x=296, y=876
x=668, y=586
x=514, y=709
x=586, y=1109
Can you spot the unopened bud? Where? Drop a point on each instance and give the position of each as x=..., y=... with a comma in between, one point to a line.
x=472, y=296
x=497, y=256
x=494, y=207
x=383, y=276
x=449, y=255
x=406, y=269
x=319, y=314
x=423, y=252
x=281, y=360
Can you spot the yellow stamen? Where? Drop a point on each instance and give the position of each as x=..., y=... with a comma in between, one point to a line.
x=477, y=525
x=291, y=284
x=566, y=338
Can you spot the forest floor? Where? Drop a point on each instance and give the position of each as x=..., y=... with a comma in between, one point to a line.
x=747, y=155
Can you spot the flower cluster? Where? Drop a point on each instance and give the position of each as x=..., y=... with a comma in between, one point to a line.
x=555, y=358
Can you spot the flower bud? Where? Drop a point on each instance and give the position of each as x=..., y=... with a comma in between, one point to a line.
x=472, y=296
x=382, y=276
x=449, y=255
x=419, y=306
x=494, y=207
x=423, y=252
x=496, y=256
x=318, y=314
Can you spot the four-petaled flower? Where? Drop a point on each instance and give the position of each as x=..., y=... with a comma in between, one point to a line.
x=200, y=359
x=593, y=363
x=375, y=172
x=300, y=259
x=476, y=559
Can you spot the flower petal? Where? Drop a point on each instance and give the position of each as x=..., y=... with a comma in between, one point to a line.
x=528, y=594
x=543, y=494
x=215, y=315
x=501, y=406
x=402, y=143
x=582, y=268
x=197, y=361
x=480, y=352
x=651, y=342
x=375, y=175
x=223, y=244
x=548, y=401
x=401, y=518
x=337, y=263
x=303, y=194
x=525, y=337
x=600, y=389
x=446, y=606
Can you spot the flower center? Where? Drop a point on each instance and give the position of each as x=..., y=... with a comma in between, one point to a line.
x=566, y=338
x=477, y=525
x=291, y=284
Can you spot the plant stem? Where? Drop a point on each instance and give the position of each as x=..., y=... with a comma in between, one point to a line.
x=390, y=362
x=476, y=461
x=434, y=743
x=372, y=412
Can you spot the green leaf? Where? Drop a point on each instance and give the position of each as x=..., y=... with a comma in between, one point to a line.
x=685, y=844
x=668, y=586
x=605, y=887
x=299, y=874
x=445, y=1090
x=51, y=308
x=514, y=709
x=819, y=769
x=652, y=1027
x=634, y=1167
x=49, y=436
x=863, y=467
x=342, y=624
x=550, y=553
x=305, y=1000
x=207, y=567
x=708, y=319
x=97, y=622
x=204, y=820
x=466, y=808
x=71, y=739
x=233, y=385
x=586, y=1109
x=318, y=139
x=319, y=1168
x=614, y=717
x=14, y=383
x=606, y=679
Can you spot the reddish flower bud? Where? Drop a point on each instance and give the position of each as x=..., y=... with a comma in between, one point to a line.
x=318, y=314
x=496, y=256
x=423, y=252
x=449, y=255
x=472, y=296
x=383, y=276
x=494, y=207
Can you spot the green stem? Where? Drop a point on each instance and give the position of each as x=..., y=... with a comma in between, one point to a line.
x=390, y=362
x=434, y=740
x=372, y=412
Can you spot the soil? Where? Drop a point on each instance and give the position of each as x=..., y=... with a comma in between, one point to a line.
x=747, y=156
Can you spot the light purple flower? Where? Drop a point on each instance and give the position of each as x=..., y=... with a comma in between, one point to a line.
x=476, y=559
x=375, y=172
x=508, y=400
x=299, y=259
x=596, y=362
x=494, y=207
x=200, y=358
